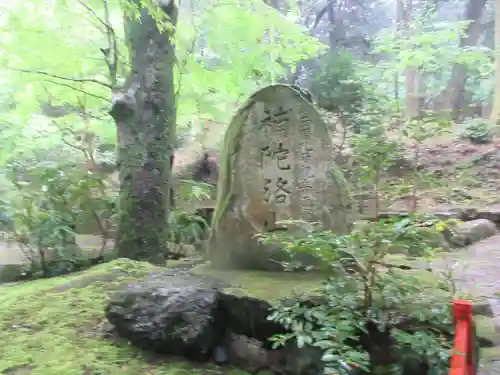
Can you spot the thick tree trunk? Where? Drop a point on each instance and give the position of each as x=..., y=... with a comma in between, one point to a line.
x=495, y=110
x=453, y=96
x=145, y=114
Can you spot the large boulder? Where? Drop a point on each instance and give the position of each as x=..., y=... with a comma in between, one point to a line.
x=277, y=163
x=169, y=312
x=179, y=313
x=469, y=232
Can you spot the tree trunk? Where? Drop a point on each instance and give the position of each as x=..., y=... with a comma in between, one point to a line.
x=332, y=37
x=452, y=97
x=412, y=73
x=495, y=110
x=145, y=114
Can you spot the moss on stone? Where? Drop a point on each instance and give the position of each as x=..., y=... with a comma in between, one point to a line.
x=55, y=326
x=490, y=354
x=276, y=285
x=264, y=285
x=487, y=328
x=229, y=154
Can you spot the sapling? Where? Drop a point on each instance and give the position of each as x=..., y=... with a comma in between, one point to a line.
x=416, y=132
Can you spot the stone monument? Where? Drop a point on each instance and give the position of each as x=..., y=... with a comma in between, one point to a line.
x=276, y=163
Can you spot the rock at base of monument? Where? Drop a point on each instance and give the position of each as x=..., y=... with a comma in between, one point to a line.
x=176, y=312
x=173, y=313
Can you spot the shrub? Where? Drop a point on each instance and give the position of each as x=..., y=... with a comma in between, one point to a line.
x=478, y=130
x=364, y=288
x=186, y=227
x=43, y=212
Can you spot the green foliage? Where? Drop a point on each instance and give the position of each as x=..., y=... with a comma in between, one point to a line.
x=187, y=228
x=184, y=226
x=336, y=86
x=68, y=315
x=43, y=212
x=71, y=69
x=366, y=287
x=365, y=284
x=478, y=130
x=431, y=46
x=341, y=88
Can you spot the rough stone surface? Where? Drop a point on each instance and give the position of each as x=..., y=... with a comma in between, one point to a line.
x=483, y=308
x=178, y=313
x=175, y=314
x=277, y=164
x=12, y=272
x=470, y=232
x=247, y=316
x=469, y=213
x=248, y=353
x=304, y=361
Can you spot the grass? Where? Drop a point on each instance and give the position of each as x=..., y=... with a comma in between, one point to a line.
x=55, y=326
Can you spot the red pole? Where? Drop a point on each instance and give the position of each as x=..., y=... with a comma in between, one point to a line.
x=462, y=359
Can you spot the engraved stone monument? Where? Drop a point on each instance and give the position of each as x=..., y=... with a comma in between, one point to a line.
x=276, y=164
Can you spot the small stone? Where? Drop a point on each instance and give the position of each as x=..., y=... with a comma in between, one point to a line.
x=248, y=353
x=220, y=354
x=483, y=308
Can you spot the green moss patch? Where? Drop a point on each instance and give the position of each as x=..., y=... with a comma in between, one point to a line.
x=55, y=326
x=490, y=354
x=275, y=285
x=265, y=285
x=487, y=328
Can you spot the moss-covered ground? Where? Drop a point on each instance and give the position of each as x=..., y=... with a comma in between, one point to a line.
x=57, y=326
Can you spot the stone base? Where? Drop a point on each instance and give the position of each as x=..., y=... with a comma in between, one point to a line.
x=199, y=317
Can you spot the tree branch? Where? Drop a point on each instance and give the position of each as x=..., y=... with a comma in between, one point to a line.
x=112, y=55
x=93, y=12
x=320, y=15
x=64, y=78
x=78, y=90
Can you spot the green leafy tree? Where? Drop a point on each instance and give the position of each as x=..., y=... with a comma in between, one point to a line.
x=89, y=50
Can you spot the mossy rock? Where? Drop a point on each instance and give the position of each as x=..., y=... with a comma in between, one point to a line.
x=490, y=354
x=57, y=326
x=268, y=286
x=12, y=272
x=488, y=330
x=276, y=164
